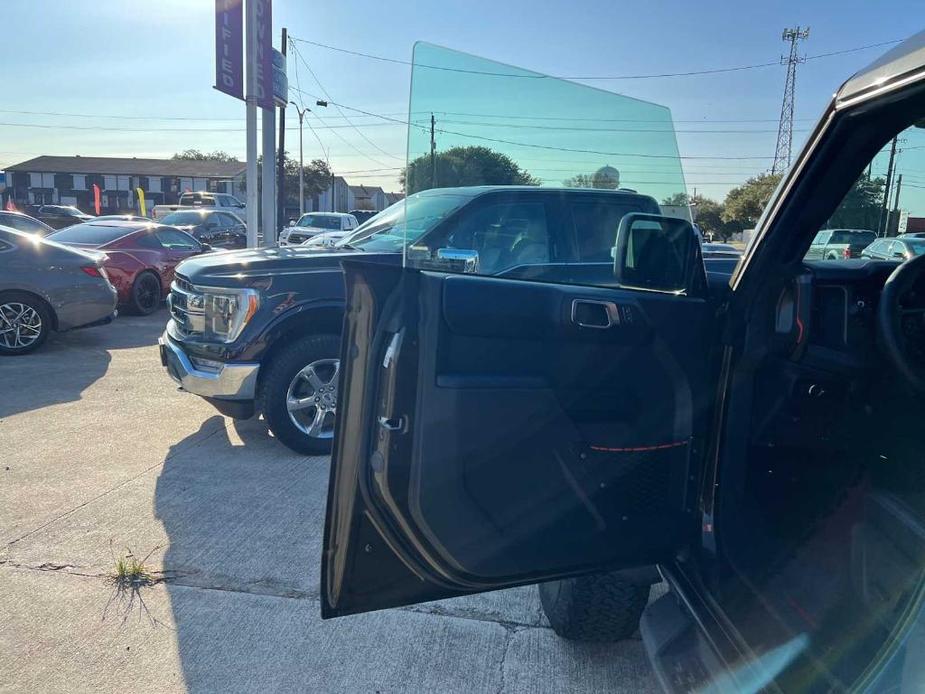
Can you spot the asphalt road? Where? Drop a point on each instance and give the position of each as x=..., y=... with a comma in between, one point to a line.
x=100, y=454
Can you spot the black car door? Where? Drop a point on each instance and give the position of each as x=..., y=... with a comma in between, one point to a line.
x=495, y=430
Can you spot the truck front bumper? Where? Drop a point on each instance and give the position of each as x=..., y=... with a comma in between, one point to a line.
x=213, y=380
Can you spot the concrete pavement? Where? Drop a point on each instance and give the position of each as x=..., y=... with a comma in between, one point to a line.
x=101, y=453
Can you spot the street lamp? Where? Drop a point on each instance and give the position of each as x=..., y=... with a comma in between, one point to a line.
x=302, y=112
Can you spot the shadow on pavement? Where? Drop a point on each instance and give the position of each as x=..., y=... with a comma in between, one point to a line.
x=69, y=363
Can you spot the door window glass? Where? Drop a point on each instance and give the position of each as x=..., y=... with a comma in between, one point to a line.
x=176, y=240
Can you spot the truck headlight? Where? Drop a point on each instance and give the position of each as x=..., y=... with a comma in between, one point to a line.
x=227, y=312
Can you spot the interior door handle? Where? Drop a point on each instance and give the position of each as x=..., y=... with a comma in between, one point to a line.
x=591, y=313
x=392, y=424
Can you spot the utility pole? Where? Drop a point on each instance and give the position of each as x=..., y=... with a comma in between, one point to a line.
x=281, y=155
x=882, y=225
x=433, y=153
x=250, y=53
x=785, y=128
x=899, y=185
x=301, y=112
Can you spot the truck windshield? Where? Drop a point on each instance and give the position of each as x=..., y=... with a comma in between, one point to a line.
x=403, y=222
x=319, y=221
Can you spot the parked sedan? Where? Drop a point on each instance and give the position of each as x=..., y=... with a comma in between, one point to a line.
x=216, y=228
x=720, y=250
x=60, y=216
x=45, y=286
x=23, y=222
x=904, y=248
x=140, y=257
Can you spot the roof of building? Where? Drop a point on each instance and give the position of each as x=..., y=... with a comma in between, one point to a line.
x=366, y=191
x=130, y=166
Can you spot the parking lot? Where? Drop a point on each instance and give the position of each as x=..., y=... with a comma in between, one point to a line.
x=101, y=455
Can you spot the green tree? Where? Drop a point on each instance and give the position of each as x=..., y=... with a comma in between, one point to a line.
x=744, y=204
x=860, y=208
x=196, y=155
x=606, y=177
x=316, y=175
x=464, y=166
x=677, y=199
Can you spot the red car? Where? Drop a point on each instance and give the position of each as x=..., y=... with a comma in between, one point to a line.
x=140, y=256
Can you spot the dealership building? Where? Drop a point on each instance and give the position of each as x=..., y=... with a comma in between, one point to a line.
x=53, y=180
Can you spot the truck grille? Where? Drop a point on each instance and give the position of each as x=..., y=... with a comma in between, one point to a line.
x=186, y=307
x=297, y=238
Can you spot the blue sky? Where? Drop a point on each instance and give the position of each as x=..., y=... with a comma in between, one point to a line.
x=155, y=60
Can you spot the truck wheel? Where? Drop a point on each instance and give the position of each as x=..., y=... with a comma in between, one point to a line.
x=24, y=323
x=298, y=396
x=603, y=607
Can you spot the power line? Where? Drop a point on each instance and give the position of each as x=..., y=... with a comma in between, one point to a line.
x=554, y=148
x=688, y=73
x=298, y=54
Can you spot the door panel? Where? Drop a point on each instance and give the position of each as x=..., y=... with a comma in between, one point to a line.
x=486, y=440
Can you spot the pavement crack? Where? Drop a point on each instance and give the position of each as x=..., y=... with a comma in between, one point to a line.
x=509, y=639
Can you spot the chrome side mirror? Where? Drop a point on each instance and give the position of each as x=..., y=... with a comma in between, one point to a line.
x=459, y=259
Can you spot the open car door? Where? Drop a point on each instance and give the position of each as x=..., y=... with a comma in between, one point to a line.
x=530, y=422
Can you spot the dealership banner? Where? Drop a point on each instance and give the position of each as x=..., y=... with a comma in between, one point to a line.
x=263, y=68
x=229, y=47
x=141, y=202
x=96, y=199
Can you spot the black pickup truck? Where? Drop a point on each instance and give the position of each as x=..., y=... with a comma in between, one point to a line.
x=259, y=330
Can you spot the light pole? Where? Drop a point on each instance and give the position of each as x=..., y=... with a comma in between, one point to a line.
x=301, y=112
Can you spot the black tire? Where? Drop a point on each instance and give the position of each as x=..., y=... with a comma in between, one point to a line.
x=276, y=379
x=41, y=310
x=146, y=294
x=603, y=607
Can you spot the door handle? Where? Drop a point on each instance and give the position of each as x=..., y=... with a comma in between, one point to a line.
x=392, y=424
x=591, y=313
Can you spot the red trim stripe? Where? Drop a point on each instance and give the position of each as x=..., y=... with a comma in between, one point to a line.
x=638, y=449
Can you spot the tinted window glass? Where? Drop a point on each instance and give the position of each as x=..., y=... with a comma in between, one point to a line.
x=183, y=218
x=853, y=237
x=490, y=237
x=917, y=246
x=148, y=241
x=404, y=221
x=23, y=223
x=93, y=234
x=175, y=240
x=596, y=224
x=319, y=221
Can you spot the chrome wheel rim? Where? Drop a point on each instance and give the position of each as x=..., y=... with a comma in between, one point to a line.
x=312, y=398
x=20, y=325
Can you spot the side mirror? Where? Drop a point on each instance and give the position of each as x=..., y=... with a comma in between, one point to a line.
x=658, y=253
x=205, y=248
x=292, y=222
x=459, y=259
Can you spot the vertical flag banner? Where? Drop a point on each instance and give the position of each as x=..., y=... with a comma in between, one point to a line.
x=96, y=198
x=263, y=82
x=141, y=202
x=229, y=47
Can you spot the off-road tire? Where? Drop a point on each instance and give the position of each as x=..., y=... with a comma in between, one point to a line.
x=274, y=385
x=603, y=607
x=41, y=308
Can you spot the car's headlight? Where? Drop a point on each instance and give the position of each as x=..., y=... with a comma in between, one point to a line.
x=227, y=312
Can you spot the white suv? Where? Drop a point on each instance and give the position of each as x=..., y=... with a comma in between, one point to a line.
x=322, y=228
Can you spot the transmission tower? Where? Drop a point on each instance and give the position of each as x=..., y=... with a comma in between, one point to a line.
x=785, y=129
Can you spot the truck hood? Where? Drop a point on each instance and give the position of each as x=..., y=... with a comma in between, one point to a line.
x=252, y=266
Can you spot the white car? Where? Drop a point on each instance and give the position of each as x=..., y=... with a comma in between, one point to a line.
x=322, y=228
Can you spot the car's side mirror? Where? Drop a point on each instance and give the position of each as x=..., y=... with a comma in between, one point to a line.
x=658, y=253
x=292, y=222
x=205, y=247
x=459, y=259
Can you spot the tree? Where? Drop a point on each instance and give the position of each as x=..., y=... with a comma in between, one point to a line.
x=196, y=155
x=316, y=176
x=860, y=208
x=744, y=204
x=606, y=177
x=677, y=200
x=464, y=166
